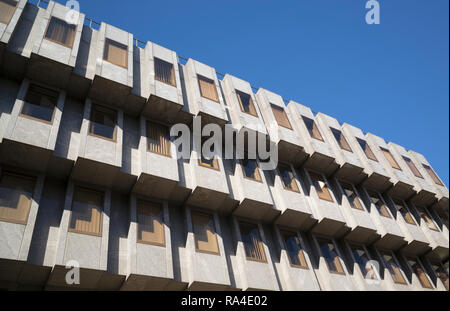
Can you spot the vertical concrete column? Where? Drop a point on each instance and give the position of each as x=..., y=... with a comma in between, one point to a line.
x=16, y=109
x=105, y=230
x=85, y=127
x=64, y=225
x=57, y=121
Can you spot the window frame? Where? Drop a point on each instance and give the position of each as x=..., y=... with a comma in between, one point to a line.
x=386, y=264
x=418, y=263
x=208, y=80
x=433, y=175
x=70, y=46
x=23, y=115
x=408, y=217
x=381, y=199
x=215, y=162
x=301, y=252
x=422, y=210
x=140, y=241
x=358, y=246
x=412, y=167
x=118, y=44
x=343, y=142
x=157, y=78
x=148, y=124
x=251, y=104
x=353, y=188
x=288, y=125
x=367, y=150
x=327, y=186
x=197, y=249
x=289, y=170
x=114, y=139
x=12, y=15
x=260, y=242
x=340, y=267
x=394, y=164
x=258, y=177
x=314, y=126
x=102, y=210
x=437, y=274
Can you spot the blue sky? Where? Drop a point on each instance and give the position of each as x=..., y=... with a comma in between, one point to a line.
x=390, y=79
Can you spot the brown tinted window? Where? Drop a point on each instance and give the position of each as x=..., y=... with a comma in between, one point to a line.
x=442, y=274
x=16, y=193
x=400, y=206
x=207, y=161
x=164, y=72
x=340, y=138
x=205, y=233
x=250, y=169
x=61, y=32
x=329, y=252
x=321, y=186
x=158, y=139
x=7, y=9
x=150, y=223
x=390, y=158
x=425, y=216
x=103, y=122
x=375, y=198
x=208, y=88
x=432, y=174
x=87, y=208
x=312, y=128
x=393, y=267
x=254, y=248
x=420, y=273
x=281, y=116
x=40, y=103
x=363, y=261
x=366, y=148
x=294, y=250
x=412, y=167
x=246, y=103
x=352, y=197
x=287, y=178
x=116, y=53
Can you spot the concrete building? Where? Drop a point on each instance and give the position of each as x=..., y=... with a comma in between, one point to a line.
x=90, y=177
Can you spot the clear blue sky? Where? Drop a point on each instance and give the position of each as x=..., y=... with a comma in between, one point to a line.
x=390, y=79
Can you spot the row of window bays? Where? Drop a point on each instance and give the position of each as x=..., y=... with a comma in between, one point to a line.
x=16, y=192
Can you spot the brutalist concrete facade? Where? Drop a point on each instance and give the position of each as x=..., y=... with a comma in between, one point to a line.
x=386, y=227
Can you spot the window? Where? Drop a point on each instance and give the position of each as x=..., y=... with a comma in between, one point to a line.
x=208, y=88
x=158, y=139
x=294, y=250
x=208, y=162
x=164, y=72
x=16, y=193
x=379, y=204
x=393, y=267
x=366, y=148
x=400, y=206
x=205, y=233
x=329, y=252
x=150, y=223
x=87, y=210
x=390, y=158
x=321, y=186
x=253, y=245
x=7, y=9
x=427, y=218
x=281, y=116
x=61, y=32
x=363, y=261
x=246, y=103
x=340, y=138
x=312, y=128
x=39, y=104
x=287, y=178
x=250, y=169
x=103, y=122
x=433, y=175
x=441, y=273
x=412, y=167
x=116, y=53
x=420, y=273
x=352, y=196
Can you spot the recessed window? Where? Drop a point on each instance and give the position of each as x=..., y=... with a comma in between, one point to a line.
x=393, y=267
x=208, y=88
x=250, y=169
x=253, y=245
x=158, y=139
x=246, y=103
x=103, y=122
x=441, y=273
x=367, y=150
x=294, y=250
x=363, y=261
x=205, y=233
x=61, y=32
x=87, y=209
x=390, y=158
x=281, y=116
x=420, y=273
x=329, y=252
x=425, y=216
x=351, y=195
x=40, y=103
x=150, y=223
x=116, y=53
x=340, y=138
x=382, y=209
x=16, y=193
x=400, y=206
x=433, y=175
x=209, y=162
x=321, y=186
x=287, y=178
x=312, y=128
x=7, y=9
x=164, y=72
x=412, y=167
